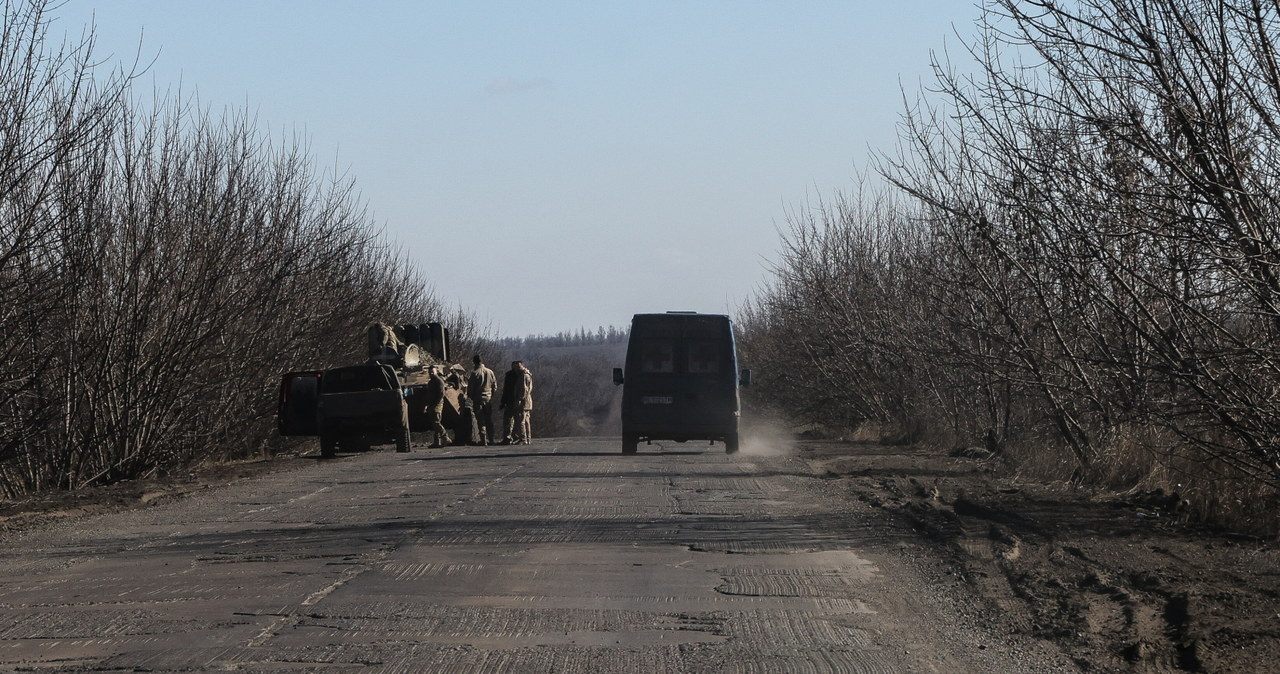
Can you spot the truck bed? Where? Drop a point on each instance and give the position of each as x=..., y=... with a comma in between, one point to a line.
x=360, y=404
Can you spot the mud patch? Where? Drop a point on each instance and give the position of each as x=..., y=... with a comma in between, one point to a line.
x=1118, y=582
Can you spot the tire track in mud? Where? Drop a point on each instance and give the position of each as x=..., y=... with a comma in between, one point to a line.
x=1092, y=577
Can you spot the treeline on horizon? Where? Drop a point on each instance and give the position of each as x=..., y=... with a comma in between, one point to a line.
x=1077, y=264
x=582, y=337
x=160, y=266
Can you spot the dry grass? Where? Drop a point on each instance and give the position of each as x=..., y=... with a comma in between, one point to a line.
x=1150, y=462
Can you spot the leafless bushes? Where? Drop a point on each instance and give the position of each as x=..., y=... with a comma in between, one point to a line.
x=158, y=267
x=1090, y=263
x=833, y=330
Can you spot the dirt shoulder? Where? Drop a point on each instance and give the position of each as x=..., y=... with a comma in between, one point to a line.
x=1118, y=582
x=40, y=509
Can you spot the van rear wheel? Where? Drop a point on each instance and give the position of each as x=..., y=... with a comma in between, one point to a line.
x=328, y=446
x=403, y=441
x=630, y=443
x=731, y=444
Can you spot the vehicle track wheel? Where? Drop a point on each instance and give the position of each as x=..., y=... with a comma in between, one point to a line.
x=328, y=446
x=402, y=442
x=630, y=443
x=731, y=444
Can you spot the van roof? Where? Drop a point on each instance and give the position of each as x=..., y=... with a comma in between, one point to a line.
x=680, y=313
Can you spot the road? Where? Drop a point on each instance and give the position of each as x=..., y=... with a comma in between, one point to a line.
x=563, y=556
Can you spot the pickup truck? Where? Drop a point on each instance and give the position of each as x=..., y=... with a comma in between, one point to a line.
x=351, y=407
x=357, y=406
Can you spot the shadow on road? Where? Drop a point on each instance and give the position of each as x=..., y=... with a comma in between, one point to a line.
x=724, y=533
x=530, y=454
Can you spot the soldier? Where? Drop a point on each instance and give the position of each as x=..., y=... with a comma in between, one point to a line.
x=457, y=378
x=433, y=405
x=528, y=406
x=507, y=404
x=481, y=386
x=522, y=400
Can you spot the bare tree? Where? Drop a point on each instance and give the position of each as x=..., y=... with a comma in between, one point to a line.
x=1093, y=236
x=159, y=267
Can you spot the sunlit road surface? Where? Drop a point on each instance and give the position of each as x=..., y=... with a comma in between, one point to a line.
x=563, y=556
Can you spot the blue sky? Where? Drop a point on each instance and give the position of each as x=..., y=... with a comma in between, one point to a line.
x=561, y=164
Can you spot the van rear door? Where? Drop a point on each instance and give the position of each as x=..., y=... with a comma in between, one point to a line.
x=297, y=411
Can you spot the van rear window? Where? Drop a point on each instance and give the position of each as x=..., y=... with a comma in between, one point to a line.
x=704, y=357
x=658, y=355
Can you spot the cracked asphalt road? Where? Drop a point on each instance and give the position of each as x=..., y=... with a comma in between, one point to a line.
x=563, y=556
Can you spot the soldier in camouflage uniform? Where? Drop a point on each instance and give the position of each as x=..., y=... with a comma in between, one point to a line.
x=507, y=403
x=517, y=415
x=457, y=378
x=433, y=406
x=481, y=386
x=527, y=432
